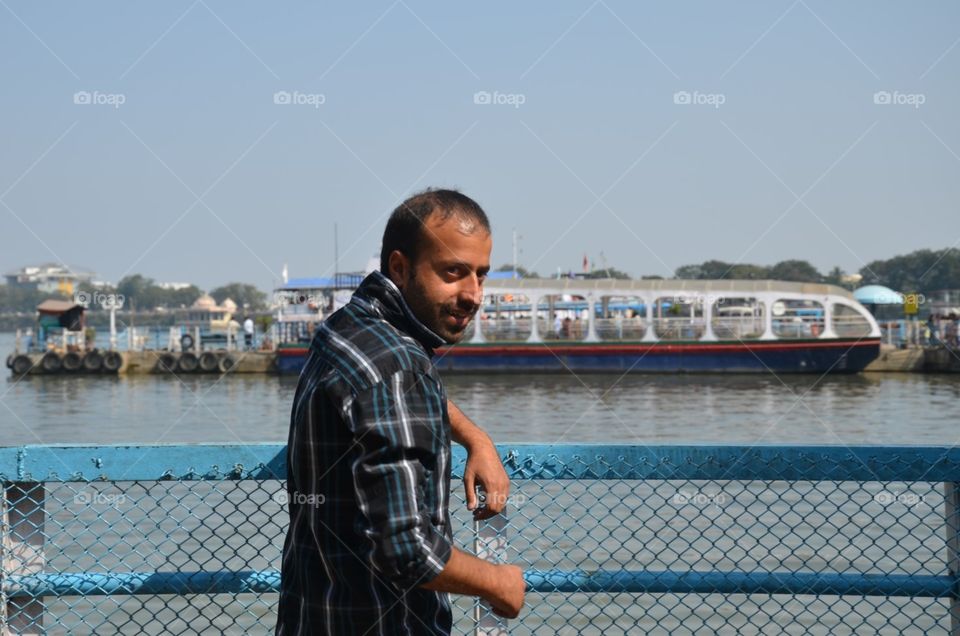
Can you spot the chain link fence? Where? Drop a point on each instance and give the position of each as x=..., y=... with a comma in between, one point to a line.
x=614, y=540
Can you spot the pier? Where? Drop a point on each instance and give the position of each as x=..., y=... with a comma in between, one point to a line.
x=614, y=539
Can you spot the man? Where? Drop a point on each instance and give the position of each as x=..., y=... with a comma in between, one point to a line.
x=370, y=549
x=248, y=332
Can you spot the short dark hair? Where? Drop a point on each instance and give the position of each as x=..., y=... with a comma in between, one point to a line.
x=404, y=231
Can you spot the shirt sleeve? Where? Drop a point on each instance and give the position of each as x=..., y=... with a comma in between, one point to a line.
x=396, y=423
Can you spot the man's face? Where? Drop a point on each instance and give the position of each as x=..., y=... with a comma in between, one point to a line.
x=444, y=286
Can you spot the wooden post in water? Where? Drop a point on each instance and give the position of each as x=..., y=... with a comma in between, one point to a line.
x=951, y=493
x=21, y=553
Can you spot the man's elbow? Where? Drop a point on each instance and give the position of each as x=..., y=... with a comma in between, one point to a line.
x=413, y=561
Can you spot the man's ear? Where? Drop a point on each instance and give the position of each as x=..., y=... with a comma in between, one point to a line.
x=398, y=266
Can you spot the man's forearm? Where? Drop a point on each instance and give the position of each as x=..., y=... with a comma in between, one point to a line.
x=466, y=574
x=463, y=431
x=501, y=585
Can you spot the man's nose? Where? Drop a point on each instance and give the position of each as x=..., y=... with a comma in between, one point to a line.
x=472, y=290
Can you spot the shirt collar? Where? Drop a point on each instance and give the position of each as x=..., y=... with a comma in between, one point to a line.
x=386, y=299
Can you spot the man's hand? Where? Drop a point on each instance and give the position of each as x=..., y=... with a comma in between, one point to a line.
x=500, y=585
x=508, y=600
x=485, y=469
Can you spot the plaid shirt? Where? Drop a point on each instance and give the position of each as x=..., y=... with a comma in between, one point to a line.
x=368, y=476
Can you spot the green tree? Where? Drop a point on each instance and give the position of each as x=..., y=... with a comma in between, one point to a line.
x=713, y=270
x=920, y=271
x=609, y=272
x=173, y=298
x=137, y=291
x=835, y=276
x=14, y=298
x=242, y=294
x=795, y=270
x=520, y=269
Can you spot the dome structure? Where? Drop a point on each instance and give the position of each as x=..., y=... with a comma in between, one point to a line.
x=205, y=302
x=877, y=295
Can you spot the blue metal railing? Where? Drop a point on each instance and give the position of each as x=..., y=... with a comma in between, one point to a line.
x=614, y=539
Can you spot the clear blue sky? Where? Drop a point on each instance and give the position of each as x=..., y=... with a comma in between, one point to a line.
x=598, y=157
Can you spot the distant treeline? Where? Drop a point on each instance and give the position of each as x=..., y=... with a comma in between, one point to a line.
x=922, y=271
x=141, y=294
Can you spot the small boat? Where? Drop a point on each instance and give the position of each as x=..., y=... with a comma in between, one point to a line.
x=652, y=326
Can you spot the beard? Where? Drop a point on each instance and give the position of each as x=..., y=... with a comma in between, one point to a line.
x=435, y=317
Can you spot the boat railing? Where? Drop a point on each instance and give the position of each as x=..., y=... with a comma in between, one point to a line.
x=614, y=539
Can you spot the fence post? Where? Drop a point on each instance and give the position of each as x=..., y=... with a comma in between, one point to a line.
x=490, y=544
x=951, y=493
x=22, y=553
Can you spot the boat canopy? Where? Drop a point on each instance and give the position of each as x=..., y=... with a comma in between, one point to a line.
x=535, y=310
x=729, y=287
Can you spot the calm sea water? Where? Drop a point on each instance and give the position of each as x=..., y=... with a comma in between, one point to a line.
x=860, y=409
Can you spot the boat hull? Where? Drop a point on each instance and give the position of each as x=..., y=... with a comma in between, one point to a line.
x=806, y=356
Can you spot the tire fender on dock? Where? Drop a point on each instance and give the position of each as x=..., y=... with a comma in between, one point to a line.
x=51, y=363
x=21, y=364
x=167, y=363
x=72, y=362
x=112, y=362
x=188, y=362
x=92, y=362
x=226, y=364
x=208, y=362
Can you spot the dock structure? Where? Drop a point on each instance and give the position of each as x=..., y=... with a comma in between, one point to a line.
x=614, y=539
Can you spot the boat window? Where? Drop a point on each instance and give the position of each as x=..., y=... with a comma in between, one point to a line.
x=506, y=318
x=848, y=322
x=678, y=317
x=562, y=317
x=621, y=318
x=737, y=318
x=796, y=319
